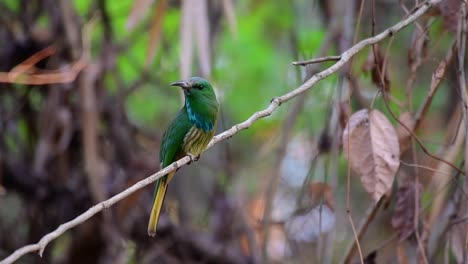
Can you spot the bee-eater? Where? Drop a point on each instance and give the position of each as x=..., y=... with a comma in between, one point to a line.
x=188, y=134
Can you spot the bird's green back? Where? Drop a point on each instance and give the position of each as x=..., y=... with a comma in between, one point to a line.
x=173, y=138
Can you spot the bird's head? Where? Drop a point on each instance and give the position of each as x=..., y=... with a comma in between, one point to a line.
x=196, y=87
x=198, y=93
x=200, y=102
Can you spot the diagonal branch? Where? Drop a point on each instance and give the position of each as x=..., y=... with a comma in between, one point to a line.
x=318, y=60
x=275, y=103
x=461, y=45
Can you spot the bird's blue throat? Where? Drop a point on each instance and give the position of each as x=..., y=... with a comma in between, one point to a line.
x=196, y=119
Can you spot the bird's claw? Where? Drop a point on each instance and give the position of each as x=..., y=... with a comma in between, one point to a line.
x=193, y=158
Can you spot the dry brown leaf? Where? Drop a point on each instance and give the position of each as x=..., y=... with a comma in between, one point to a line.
x=404, y=137
x=155, y=31
x=371, y=147
x=319, y=191
x=405, y=209
x=138, y=10
x=375, y=64
x=345, y=112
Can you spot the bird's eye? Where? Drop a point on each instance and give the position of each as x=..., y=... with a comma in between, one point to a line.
x=198, y=86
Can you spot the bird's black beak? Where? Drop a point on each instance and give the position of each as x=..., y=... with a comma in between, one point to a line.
x=182, y=84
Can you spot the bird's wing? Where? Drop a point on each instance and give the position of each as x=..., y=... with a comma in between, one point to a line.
x=173, y=138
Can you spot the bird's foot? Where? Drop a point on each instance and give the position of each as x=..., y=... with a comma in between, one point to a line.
x=192, y=158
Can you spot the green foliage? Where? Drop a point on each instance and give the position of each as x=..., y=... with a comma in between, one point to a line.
x=43, y=21
x=12, y=4
x=82, y=7
x=247, y=67
x=148, y=106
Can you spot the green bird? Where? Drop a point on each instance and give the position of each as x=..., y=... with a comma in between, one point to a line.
x=188, y=134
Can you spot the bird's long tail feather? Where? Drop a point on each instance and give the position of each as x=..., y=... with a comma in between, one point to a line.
x=159, y=194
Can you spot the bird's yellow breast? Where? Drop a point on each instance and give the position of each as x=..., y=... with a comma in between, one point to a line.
x=196, y=140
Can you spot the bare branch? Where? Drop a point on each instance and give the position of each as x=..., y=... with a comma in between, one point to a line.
x=275, y=103
x=370, y=214
x=68, y=74
x=29, y=63
x=437, y=77
x=318, y=60
x=461, y=42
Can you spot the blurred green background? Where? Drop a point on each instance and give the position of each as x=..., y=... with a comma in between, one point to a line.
x=78, y=137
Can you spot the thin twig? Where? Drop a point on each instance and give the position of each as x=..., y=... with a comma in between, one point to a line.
x=318, y=60
x=29, y=63
x=358, y=23
x=370, y=216
x=437, y=77
x=461, y=41
x=66, y=75
x=459, y=220
x=275, y=103
x=424, y=167
x=356, y=243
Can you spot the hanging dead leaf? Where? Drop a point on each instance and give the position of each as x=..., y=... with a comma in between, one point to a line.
x=345, y=112
x=137, y=14
x=404, y=137
x=375, y=64
x=405, y=209
x=371, y=147
x=320, y=191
